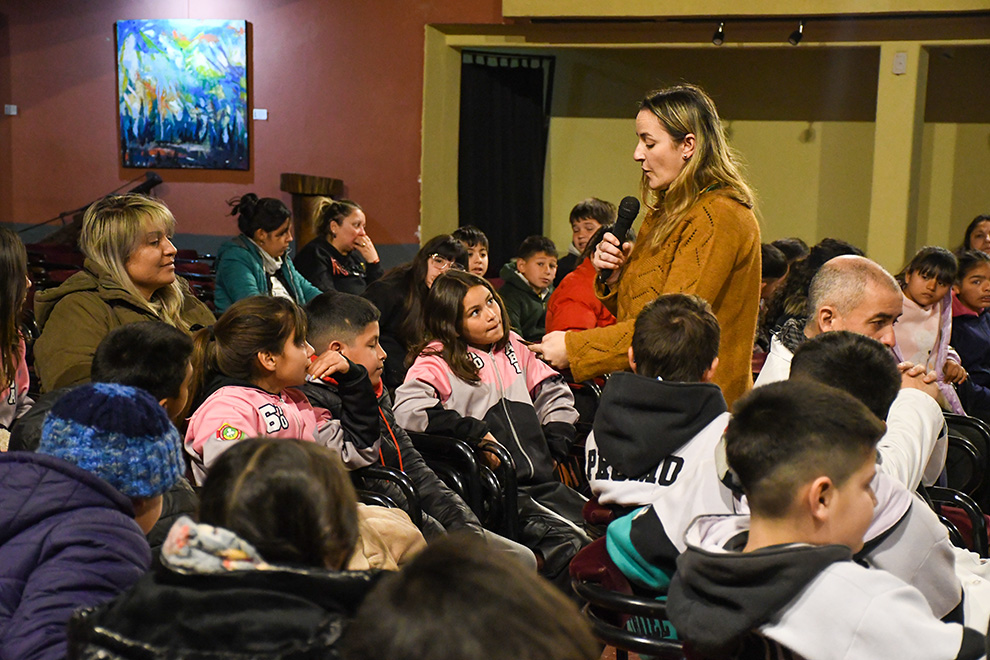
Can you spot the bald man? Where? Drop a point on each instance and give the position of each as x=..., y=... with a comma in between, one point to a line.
x=855, y=294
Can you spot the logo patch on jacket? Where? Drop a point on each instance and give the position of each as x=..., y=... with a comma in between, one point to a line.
x=229, y=433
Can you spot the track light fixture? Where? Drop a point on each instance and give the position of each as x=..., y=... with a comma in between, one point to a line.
x=719, y=37
x=795, y=37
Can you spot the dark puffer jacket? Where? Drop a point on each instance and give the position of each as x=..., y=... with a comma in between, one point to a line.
x=397, y=451
x=213, y=596
x=67, y=540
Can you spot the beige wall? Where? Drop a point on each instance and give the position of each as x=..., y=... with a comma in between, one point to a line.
x=812, y=179
x=955, y=186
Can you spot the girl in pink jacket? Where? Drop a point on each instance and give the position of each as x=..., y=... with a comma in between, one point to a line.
x=249, y=364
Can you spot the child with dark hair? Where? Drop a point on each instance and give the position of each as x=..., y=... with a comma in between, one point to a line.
x=774, y=265
x=762, y=585
x=75, y=514
x=573, y=304
x=587, y=217
x=14, y=376
x=349, y=324
x=971, y=330
x=248, y=367
x=655, y=435
x=457, y=601
x=477, y=246
x=794, y=248
x=262, y=573
x=400, y=295
x=924, y=328
x=528, y=284
x=905, y=538
x=475, y=380
x=256, y=262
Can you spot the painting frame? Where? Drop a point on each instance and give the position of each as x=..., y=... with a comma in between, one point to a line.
x=182, y=93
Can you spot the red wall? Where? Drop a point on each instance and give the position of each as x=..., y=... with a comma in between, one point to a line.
x=342, y=81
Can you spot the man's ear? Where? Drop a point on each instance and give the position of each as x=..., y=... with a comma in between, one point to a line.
x=687, y=146
x=267, y=360
x=709, y=372
x=827, y=319
x=819, y=498
x=632, y=359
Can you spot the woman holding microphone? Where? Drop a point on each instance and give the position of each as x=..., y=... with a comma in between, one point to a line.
x=699, y=236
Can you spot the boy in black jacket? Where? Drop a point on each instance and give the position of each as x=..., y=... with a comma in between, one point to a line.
x=349, y=324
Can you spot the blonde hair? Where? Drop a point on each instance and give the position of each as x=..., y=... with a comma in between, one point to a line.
x=681, y=110
x=111, y=230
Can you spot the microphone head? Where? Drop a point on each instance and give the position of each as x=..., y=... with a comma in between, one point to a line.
x=153, y=176
x=628, y=207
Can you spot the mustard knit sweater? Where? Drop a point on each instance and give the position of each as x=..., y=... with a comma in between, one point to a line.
x=713, y=253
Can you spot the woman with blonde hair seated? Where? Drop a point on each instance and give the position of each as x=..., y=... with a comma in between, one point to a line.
x=128, y=276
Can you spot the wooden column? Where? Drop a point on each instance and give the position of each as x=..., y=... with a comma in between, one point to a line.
x=308, y=193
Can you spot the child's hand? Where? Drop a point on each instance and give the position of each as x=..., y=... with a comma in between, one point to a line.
x=490, y=459
x=330, y=362
x=954, y=372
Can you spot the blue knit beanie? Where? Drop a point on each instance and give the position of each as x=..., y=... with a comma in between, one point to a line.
x=117, y=432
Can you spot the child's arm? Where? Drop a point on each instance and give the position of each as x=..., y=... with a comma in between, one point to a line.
x=419, y=403
x=356, y=435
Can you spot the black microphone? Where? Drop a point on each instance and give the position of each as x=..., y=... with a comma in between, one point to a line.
x=628, y=210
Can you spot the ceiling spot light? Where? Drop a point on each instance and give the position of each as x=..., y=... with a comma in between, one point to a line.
x=719, y=37
x=795, y=37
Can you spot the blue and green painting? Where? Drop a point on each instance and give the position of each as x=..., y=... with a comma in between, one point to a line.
x=182, y=87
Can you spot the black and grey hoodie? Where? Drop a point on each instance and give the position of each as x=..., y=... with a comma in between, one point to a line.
x=801, y=601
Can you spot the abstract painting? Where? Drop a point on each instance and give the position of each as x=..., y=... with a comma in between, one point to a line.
x=182, y=91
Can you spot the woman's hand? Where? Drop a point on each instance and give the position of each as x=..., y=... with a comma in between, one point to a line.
x=610, y=256
x=954, y=372
x=330, y=362
x=552, y=350
x=367, y=249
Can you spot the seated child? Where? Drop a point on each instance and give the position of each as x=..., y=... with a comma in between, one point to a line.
x=924, y=328
x=458, y=601
x=349, y=324
x=261, y=575
x=14, y=376
x=782, y=581
x=774, y=267
x=75, y=513
x=475, y=380
x=150, y=355
x=587, y=217
x=477, y=246
x=251, y=361
x=528, y=283
x=906, y=537
x=655, y=435
x=971, y=330
x=573, y=304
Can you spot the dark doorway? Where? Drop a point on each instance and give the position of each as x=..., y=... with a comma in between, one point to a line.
x=505, y=115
